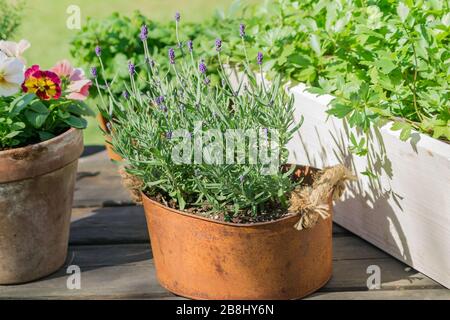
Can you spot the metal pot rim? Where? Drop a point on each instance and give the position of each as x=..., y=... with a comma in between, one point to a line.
x=288, y=217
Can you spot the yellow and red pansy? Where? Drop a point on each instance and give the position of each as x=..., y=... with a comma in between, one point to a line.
x=45, y=84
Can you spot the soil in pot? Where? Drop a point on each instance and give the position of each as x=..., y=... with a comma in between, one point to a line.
x=200, y=258
x=36, y=193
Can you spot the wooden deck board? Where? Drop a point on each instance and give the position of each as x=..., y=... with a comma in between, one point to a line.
x=110, y=243
x=127, y=272
x=424, y=294
x=125, y=224
x=99, y=184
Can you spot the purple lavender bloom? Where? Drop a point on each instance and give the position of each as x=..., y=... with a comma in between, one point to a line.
x=131, y=68
x=159, y=100
x=241, y=178
x=94, y=72
x=172, y=56
x=169, y=135
x=144, y=33
x=98, y=51
x=190, y=45
x=218, y=44
x=207, y=81
x=242, y=30
x=126, y=95
x=177, y=16
x=202, y=67
x=259, y=58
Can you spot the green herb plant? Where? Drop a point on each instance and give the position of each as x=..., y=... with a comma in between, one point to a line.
x=382, y=60
x=25, y=119
x=158, y=103
x=10, y=17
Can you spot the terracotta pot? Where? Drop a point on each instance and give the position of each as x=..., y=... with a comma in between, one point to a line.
x=205, y=259
x=36, y=193
x=111, y=153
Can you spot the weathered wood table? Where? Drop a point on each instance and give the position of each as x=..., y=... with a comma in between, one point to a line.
x=109, y=242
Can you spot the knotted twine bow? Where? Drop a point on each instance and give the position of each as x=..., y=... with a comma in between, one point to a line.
x=311, y=202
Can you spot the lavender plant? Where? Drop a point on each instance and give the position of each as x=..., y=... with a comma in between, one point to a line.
x=163, y=117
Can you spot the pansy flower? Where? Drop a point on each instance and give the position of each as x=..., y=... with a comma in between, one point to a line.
x=11, y=75
x=77, y=84
x=15, y=49
x=45, y=84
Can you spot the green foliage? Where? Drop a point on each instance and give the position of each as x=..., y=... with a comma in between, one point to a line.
x=382, y=59
x=118, y=36
x=26, y=120
x=10, y=17
x=161, y=103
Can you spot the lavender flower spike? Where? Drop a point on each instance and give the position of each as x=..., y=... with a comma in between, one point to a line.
x=172, y=56
x=259, y=58
x=218, y=44
x=190, y=45
x=94, y=72
x=159, y=100
x=242, y=30
x=177, y=16
x=144, y=33
x=131, y=68
x=202, y=67
x=98, y=51
x=126, y=95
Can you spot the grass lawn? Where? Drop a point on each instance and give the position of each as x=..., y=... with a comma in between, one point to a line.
x=44, y=25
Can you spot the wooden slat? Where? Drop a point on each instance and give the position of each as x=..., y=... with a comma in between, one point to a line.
x=352, y=275
x=113, y=272
x=108, y=225
x=424, y=294
x=99, y=184
x=125, y=224
x=127, y=271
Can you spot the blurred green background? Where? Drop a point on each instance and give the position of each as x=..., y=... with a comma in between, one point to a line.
x=44, y=25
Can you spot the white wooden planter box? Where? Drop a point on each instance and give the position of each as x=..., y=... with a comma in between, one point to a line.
x=406, y=211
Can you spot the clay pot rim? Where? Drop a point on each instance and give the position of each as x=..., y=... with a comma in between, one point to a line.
x=29, y=147
x=289, y=216
x=41, y=158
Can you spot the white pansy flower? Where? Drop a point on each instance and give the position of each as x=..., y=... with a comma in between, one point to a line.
x=15, y=49
x=11, y=75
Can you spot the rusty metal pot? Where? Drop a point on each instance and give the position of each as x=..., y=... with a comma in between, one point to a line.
x=36, y=193
x=109, y=148
x=201, y=258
